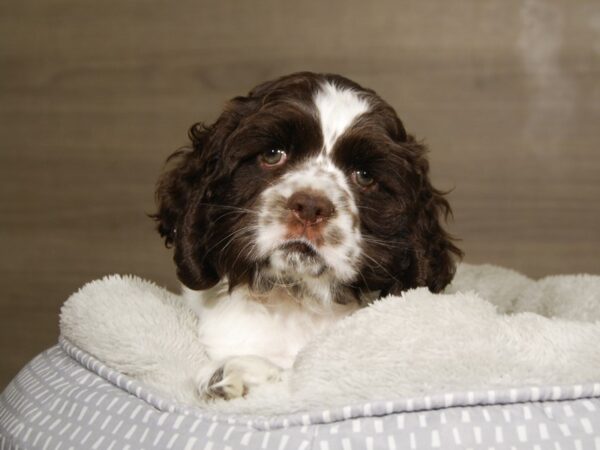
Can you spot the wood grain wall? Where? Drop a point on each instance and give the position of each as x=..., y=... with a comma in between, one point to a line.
x=95, y=95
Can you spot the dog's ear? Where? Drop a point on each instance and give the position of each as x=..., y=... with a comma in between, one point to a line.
x=182, y=188
x=432, y=253
x=185, y=192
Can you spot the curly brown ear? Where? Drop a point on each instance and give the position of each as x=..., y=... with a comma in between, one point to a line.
x=433, y=254
x=433, y=250
x=186, y=195
x=171, y=196
x=180, y=192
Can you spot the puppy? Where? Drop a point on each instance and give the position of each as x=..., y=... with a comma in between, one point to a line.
x=303, y=202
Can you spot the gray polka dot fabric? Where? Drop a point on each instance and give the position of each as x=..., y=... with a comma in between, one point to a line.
x=66, y=399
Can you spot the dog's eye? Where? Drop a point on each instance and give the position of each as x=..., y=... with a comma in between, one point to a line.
x=363, y=178
x=273, y=157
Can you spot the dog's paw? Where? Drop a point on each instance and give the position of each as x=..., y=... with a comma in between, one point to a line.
x=234, y=377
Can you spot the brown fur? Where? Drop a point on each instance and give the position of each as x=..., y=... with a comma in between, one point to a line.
x=207, y=198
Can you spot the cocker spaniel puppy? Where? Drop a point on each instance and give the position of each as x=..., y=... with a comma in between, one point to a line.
x=304, y=201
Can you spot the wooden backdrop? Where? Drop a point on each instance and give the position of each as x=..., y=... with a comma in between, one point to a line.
x=95, y=95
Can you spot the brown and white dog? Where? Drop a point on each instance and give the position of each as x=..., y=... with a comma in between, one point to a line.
x=304, y=201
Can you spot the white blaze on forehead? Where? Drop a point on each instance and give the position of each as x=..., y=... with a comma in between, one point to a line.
x=338, y=108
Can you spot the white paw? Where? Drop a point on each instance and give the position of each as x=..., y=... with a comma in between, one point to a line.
x=234, y=377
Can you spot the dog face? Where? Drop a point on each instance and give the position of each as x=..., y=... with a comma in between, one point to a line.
x=308, y=182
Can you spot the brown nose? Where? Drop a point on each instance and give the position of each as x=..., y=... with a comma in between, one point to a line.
x=310, y=207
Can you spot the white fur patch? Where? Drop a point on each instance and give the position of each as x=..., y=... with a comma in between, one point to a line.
x=338, y=109
x=318, y=174
x=274, y=326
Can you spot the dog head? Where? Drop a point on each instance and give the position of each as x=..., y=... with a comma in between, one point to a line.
x=309, y=182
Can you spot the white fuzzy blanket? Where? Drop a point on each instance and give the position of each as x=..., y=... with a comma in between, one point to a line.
x=492, y=328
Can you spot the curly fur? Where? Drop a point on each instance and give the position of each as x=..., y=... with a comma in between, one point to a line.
x=207, y=199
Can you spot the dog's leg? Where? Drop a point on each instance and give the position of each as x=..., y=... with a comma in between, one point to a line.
x=235, y=376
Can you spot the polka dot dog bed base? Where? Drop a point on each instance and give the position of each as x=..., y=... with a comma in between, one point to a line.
x=66, y=399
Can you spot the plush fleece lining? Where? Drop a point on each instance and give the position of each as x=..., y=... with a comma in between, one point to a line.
x=492, y=329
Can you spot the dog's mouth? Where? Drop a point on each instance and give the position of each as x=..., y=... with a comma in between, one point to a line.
x=301, y=247
x=297, y=257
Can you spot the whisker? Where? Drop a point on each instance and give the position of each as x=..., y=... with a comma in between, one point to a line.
x=228, y=214
x=233, y=235
x=380, y=266
x=222, y=251
x=366, y=207
x=242, y=250
x=236, y=208
x=393, y=243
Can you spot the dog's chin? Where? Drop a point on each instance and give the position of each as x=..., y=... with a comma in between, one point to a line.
x=297, y=259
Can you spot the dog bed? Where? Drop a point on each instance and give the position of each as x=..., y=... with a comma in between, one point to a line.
x=497, y=361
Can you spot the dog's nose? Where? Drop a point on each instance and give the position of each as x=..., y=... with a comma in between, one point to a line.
x=310, y=207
